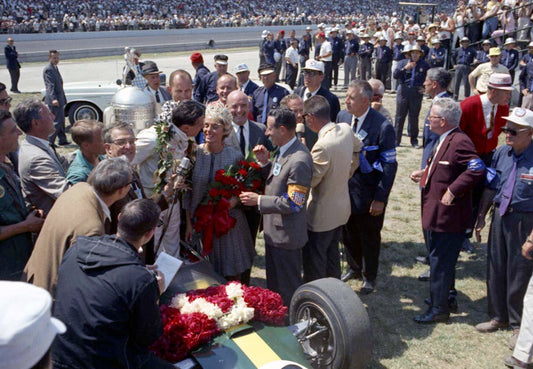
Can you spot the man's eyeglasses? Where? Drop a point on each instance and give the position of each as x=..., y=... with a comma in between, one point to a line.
x=513, y=132
x=124, y=141
x=6, y=101
x=435, y=117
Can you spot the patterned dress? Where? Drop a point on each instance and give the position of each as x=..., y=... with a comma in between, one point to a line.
x=232, y=253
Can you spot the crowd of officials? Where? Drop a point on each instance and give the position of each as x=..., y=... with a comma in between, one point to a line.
x=327, y=173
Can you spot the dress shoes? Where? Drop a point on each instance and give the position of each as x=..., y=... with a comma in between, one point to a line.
x=350, y=274
x=422, y=260
x=514, y=338
x=430, y=317
x=491, y=326
x=511, y=362
x=367, y=288
x=452, y=304
x=467, y=246
x=424, y=277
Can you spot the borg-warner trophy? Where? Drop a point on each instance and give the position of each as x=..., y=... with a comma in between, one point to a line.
x=131, y=104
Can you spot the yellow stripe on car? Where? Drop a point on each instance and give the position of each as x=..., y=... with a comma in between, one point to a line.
x=256, y=349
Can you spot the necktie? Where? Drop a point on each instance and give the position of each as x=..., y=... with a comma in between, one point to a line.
x=507, y=193
x=308, y=95
x=380, y=53
x=243, y=141
x=265, y=108
x=157, y=97
x=428, y=165
x=354, y=127
x=412, y=83
x=491, y=121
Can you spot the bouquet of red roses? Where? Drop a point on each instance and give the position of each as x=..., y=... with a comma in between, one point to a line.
x=195, y=317
x=212, y=216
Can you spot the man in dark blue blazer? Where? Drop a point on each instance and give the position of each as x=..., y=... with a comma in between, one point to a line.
x=370, y=185
x=55, y=97
x=12, y=64
x=246, y=85
x=313, y=76
x=197, y=61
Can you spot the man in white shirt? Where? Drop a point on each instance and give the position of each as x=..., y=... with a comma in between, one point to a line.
x=326, y=57
x=292, y=58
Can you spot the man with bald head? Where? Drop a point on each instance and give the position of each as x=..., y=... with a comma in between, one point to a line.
x=180, y=85
x=225, y=85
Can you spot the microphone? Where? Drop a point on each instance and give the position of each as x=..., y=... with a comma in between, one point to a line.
x=300, y=130
x=182, y=172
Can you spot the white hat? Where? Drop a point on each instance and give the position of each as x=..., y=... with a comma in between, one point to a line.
x=264, y=34
x=350, y=32
x=28, y=328
x=509, y=40
x=321, y=25
x=530, y=44
x=308, y=28
x=501, y=81
x=421, y=38
x=465, y=39
x=486, y=42
x=365, y=35
x=241, y=68
x=312, y=64
x=334, y=29
x=521, y=116
x=398, y=36
x=381, y=38
x=435, y=41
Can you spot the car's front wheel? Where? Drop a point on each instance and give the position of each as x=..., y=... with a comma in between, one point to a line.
x=338, y=334
x=83, y=110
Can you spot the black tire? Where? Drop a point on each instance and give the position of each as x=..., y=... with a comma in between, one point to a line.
x=347, y=341
x=83, y=110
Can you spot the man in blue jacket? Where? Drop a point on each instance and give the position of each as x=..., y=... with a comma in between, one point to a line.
x=12, y=64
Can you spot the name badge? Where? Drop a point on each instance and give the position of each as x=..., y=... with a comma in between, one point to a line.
x=276, y=170
x=361, y=134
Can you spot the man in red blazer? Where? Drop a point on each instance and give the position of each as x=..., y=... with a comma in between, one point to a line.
x=482, y=121
x=453, y=170
x=482, y=115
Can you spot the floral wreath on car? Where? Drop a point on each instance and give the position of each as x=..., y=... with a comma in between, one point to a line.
x=194, y=318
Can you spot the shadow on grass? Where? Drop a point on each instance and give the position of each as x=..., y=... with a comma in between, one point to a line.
x=399, y=296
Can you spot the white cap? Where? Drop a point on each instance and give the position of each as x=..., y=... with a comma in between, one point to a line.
x=398, y=36
x=521, y=116
x=509, y=40
x=312, y=64
x=264, y=34
x=241, y=68
x=27, y=327
x=530, y=44
x=321, y=25
x=334, y=29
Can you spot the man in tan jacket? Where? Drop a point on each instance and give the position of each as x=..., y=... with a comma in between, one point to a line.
x=81, y=211
x=335, y=158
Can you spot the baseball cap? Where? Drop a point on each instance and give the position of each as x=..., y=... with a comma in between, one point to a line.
x=241, y=68
x=28, y=328
x=521, y=116
x=316, y=65
x=465, y=39
x=266, y=68
x=221, y=59
x=500, y=81
x=486, y=42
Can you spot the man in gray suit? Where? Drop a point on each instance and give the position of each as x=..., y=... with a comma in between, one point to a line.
x=153, y=82
x=288, y=179
x=55, y=97
x=42, y=171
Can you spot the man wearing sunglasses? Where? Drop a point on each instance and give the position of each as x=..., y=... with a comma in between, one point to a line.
x=511, y=192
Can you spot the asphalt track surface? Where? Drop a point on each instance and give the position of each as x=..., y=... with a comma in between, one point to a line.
x=29, y=43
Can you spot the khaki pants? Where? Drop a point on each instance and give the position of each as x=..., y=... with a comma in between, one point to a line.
x=523, y=350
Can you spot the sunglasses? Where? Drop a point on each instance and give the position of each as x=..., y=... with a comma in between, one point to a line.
x=6, y=101
x=513, y=132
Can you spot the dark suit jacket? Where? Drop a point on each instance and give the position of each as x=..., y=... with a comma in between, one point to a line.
x=250, y=88
x=285, y=223
x=451, y=169
x=257, y=136
x=11, y=57
x=54, y=85
x=201, y=72
x=310, y=136
x=376, y=185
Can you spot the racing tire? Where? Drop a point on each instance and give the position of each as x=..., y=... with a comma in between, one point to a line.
x=83, y=110
x=332, y=304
